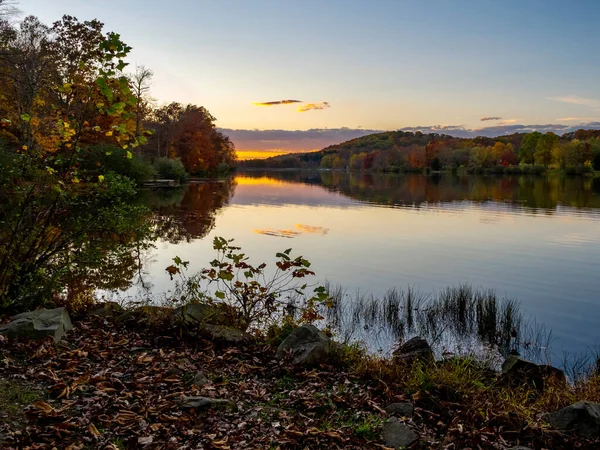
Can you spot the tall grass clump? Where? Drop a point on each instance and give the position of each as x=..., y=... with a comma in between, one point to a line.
x=457, y=320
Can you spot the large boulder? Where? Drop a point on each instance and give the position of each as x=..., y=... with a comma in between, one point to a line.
x=307, y=344
x=199, y=313
x=582, y=418
x=398, y=435
x=224, y=333
x=415, y=349
x=518, y=371
x=38, y=324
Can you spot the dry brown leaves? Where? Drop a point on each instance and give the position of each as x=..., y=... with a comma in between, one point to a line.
x=111, y=387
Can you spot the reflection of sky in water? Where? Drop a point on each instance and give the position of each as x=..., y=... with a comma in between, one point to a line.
x=548, y=261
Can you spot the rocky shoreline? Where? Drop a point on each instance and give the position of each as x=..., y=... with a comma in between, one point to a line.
x=155, y=377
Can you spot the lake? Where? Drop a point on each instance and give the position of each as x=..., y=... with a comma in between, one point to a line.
x=531, y=238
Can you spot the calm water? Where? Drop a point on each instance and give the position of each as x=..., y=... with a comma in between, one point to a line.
x=536, y=239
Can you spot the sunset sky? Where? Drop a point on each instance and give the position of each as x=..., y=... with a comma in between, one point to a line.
x=347, y=67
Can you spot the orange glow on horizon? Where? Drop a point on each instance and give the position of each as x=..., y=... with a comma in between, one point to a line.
x=258, y=154
x=262, y=154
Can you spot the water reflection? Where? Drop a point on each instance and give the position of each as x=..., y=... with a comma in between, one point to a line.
x=535, y=193
x=187, y=213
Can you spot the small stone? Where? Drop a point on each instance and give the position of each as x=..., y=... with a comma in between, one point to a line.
x=398, y=435
x=400, y=409
x=583, y=418
x=200, y=379
x=146, y=440
x=412, y=350
x=198, y=402
x=307, y=344
x=518, y=371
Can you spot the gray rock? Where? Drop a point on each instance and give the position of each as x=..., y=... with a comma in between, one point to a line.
x=109, y=309
x=200, y=379
x=198, y=402
x=400, y=409
x=516, y=370
x=412, y=350
x=583, y=418
x=199, y=313
x=224, y=333
x=398, y=435
x=307, y=344
x=38, y=324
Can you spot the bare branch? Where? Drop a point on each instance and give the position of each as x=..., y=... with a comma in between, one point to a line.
x=8, y=9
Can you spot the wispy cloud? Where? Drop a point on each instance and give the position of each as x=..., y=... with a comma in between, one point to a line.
x=311, y=106
x=576, y=100
x=483, y=119
x=277, y=102
x=508, y=121
x=577, y=119
x=302, y=108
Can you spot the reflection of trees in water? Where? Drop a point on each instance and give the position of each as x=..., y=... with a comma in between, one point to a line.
x=112, y=266
x=535, y=192
x=526, y=191
x=188, y=213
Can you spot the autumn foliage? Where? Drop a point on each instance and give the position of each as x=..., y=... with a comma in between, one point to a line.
x=400, y=151
x=77, y=132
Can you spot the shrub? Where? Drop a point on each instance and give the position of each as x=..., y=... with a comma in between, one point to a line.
x=533, y=169
x=259, y=297
x=171, y=169
x=579, y=169
x=512, y=170
x=100, y=159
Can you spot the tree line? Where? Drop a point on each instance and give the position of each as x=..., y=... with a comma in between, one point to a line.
x=397, y=151
x=66, y=87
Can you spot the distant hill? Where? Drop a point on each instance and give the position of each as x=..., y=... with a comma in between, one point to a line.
x=397, y=151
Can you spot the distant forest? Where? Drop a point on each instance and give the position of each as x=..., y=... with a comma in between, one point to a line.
x=400, y=151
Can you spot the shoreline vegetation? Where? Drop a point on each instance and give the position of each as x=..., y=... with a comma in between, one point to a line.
x=234, y=361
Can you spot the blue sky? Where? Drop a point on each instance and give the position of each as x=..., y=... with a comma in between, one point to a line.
x=380, y=64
